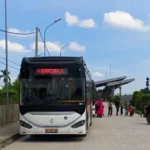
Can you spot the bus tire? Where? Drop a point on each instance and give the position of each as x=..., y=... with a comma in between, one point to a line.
x=87, y=124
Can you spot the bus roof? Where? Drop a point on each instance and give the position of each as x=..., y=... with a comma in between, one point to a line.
x=52, y=60
x=56, y=60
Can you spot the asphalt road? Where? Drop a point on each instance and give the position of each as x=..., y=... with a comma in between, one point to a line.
x=107, y=133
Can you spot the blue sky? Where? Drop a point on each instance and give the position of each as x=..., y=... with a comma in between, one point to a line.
x=103, y=32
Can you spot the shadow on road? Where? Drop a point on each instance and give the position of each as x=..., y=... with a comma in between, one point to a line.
x=54, y=138
x=142, y=123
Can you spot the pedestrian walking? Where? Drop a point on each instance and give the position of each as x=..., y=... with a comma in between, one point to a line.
x=109, y=108
x=126, y=108
x=117, y=104
x=121, y=110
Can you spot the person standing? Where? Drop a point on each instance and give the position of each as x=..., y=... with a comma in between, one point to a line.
x=117, y=104
x=131, y=111
x=100, y=108
x=126, y=108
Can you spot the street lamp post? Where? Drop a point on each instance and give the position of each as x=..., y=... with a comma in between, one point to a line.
x=63, y=48
x=45, y=34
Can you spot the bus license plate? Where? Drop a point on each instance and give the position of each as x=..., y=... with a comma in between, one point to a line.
x=51, y=130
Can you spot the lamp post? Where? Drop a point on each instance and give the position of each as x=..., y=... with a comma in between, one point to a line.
x=63, y=48
x=45, y=33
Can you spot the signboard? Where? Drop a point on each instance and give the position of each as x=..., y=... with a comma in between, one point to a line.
x=48, y=71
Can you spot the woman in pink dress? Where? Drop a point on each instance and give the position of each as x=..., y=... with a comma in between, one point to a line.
x=100, y=108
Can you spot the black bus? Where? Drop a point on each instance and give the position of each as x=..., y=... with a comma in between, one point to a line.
x=56, y=95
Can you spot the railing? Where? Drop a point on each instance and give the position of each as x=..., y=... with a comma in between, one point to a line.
x=9, y=117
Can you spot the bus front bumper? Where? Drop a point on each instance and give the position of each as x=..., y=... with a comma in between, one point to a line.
x=53, y=131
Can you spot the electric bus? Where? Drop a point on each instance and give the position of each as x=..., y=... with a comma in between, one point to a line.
x=56, y=95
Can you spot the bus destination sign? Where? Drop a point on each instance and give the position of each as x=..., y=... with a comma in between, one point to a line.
x=51, y=71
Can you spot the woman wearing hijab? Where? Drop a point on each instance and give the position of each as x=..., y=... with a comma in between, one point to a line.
x=100, y=108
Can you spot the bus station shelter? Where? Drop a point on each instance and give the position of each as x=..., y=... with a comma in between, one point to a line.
x=110, y=85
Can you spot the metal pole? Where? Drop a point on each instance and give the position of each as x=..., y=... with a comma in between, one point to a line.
x=44, y=42
x=6, y=46
x=36, y=42
x=63, y=48
x=110, y=71
x=120, y=93
x=45, y=34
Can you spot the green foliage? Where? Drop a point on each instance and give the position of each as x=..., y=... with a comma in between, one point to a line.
x=145, y=91
x=145, y=98
x=4, y=75
x=136, y=98
x=116, y=98
x=13, y=93
x=16, y=85
x=140, y=98
x=109, y=98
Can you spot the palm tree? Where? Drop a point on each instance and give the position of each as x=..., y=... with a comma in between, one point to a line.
x=4, y=75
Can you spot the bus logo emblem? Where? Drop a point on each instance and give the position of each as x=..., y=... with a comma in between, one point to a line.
x=65, y=117
x=51, y=120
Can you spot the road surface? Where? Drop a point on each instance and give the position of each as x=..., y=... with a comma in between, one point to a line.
x=107, y=133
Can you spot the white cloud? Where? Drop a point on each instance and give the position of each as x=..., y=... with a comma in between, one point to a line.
x=97, y=74
x=71, y=20
x=13, y=47
x=105, y=70
x=56, y=46
x=13, y=78
x=19, y=31
x=77, y=47
x=123, y=19
x=52, y=46
x=74, y=20
x=88, y=23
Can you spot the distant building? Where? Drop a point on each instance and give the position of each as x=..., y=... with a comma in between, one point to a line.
x=127, y=98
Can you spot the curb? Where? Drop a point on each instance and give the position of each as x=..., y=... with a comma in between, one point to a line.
x=9, y=140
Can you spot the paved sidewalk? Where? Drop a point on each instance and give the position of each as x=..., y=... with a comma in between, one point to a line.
x=8, y=134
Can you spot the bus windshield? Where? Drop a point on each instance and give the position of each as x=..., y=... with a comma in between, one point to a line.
x=55, y=90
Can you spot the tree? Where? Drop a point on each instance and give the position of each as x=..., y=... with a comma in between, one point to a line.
x=137, y=95
x=145, y=91
x=116, y=98
x=16, y=85
x=4, y=75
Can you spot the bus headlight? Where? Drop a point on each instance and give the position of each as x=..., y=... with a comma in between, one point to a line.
x=26, y=125
x=78, y=124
